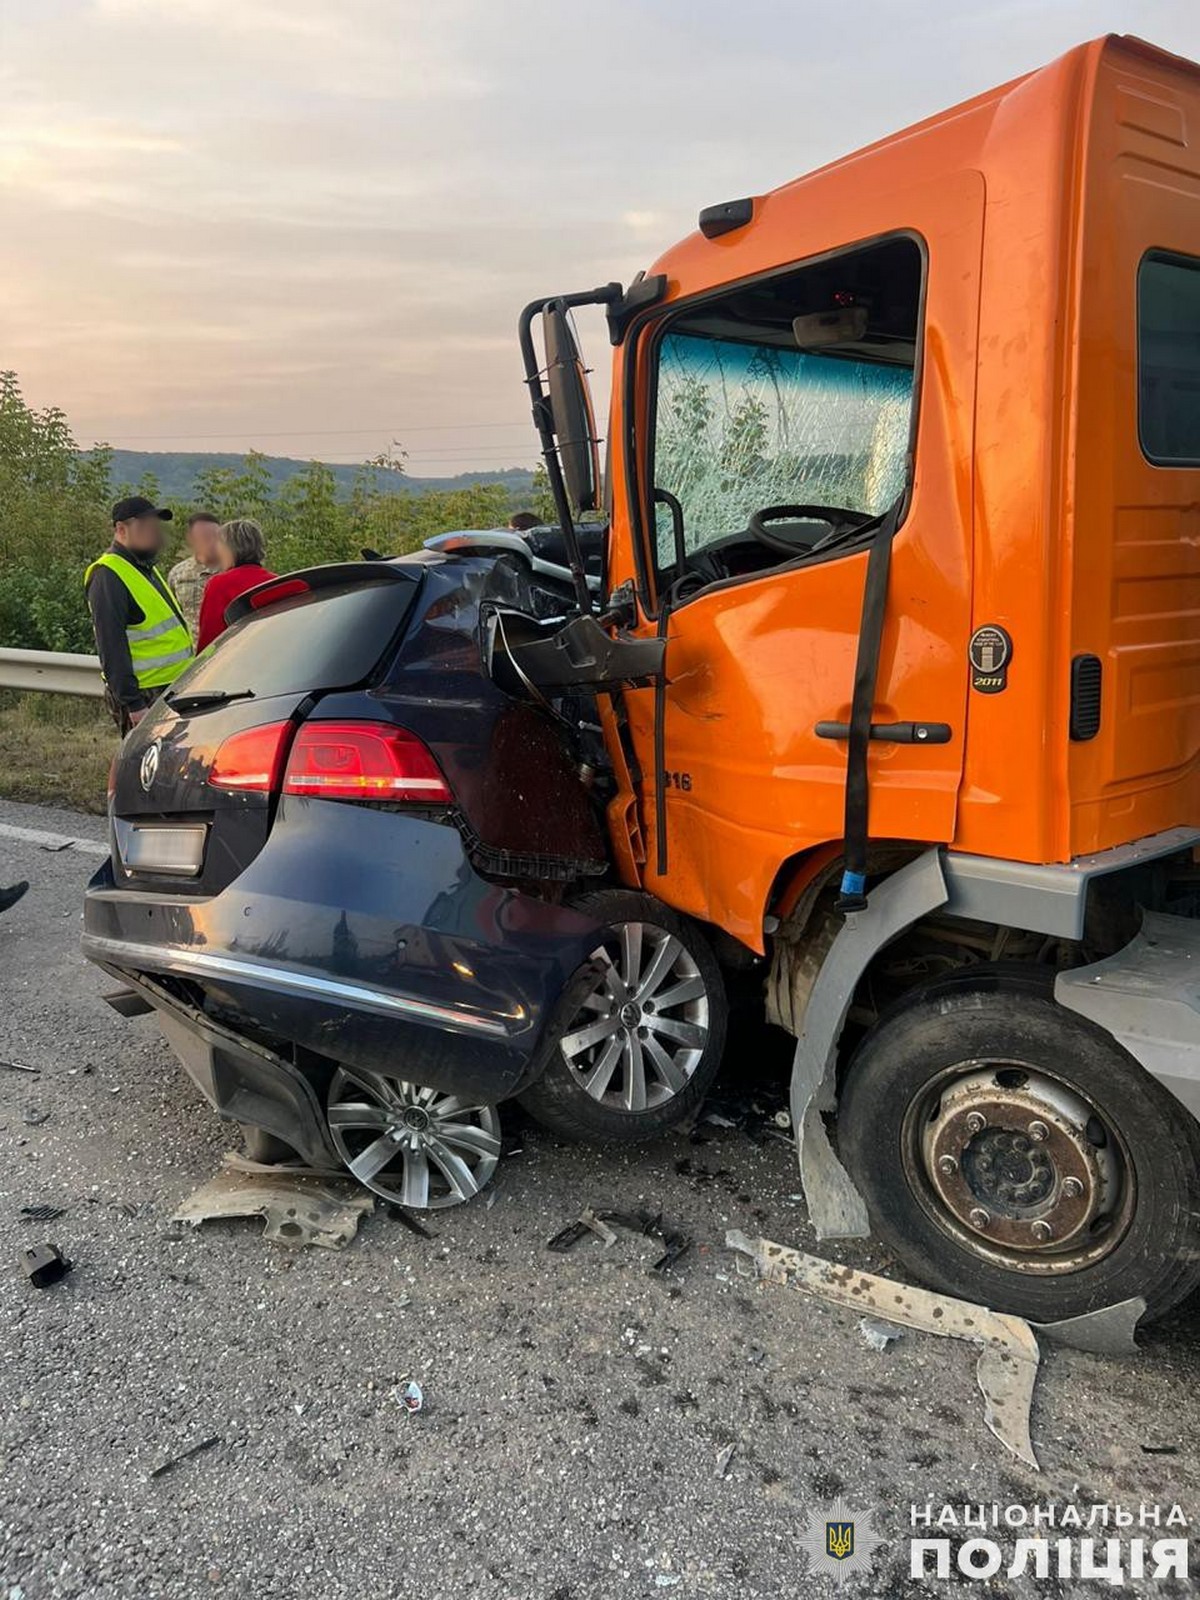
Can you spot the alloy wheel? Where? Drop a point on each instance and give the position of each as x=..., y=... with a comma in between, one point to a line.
x=641, y=1030
x=415, y=1146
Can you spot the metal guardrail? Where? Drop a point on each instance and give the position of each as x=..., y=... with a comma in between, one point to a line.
x=51, y=672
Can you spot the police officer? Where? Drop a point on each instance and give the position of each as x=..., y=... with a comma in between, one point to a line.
x=141, y=636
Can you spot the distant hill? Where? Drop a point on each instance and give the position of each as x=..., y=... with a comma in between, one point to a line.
x=176, y=472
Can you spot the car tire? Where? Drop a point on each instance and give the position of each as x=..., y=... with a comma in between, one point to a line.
x=649, y=1064
x=265, y=1148
x=1012, y=1153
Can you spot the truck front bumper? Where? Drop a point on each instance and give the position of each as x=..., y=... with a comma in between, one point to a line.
x=1147, y=997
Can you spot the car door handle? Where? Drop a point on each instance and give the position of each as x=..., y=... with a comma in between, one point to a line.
x=892, y=732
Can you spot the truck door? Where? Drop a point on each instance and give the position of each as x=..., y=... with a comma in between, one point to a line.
x=840, y=385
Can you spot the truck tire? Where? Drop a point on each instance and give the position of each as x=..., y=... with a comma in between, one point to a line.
x=1012, y=1153
x=642, y=1042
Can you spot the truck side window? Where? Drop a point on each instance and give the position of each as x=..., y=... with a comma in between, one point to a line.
x=794, y=390
x=1169, y=358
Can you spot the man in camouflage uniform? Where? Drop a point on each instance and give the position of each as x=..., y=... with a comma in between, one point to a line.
x=188, y=578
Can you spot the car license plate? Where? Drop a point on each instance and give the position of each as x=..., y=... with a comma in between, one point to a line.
x=178, y=850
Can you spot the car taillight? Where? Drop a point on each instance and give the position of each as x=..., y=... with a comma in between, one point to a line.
x=252, y=759
x=363, y=761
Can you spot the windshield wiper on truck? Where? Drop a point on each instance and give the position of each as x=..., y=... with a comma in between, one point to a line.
x=203, y=699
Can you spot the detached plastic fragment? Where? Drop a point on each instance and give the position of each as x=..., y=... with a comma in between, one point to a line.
x=644, y=1222
x=878, y=1334
x=298, y=1210
x=186, y=1455
x=1008, y=1360
x=410, y=1396
x=1107, y=1331
x=44, y=1264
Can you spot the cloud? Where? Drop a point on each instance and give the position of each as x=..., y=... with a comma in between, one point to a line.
x=277, y=217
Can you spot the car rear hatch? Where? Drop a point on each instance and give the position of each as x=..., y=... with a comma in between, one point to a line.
x=192, y=797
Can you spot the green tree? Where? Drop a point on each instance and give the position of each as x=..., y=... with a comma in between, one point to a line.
x=55, y=501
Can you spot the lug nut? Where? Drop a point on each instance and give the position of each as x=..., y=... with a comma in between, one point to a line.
x=1038, y=1131
x=947, y=1165
x=978, y=1217
x=976, y=1123
x=1041, y=1231
x=1072, y=1188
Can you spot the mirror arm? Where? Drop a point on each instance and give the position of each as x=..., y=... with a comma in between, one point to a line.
x=606, y=294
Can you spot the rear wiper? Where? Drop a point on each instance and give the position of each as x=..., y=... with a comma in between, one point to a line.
x=202, y=699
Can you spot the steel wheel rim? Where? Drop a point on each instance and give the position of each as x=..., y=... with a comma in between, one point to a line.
x=413, y=1145
x=1019, y=1166
x=642, y=1029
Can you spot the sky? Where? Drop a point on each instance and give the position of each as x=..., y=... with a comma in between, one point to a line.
x=309, y=226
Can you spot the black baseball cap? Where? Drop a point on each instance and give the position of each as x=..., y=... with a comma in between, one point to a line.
x=136, y=505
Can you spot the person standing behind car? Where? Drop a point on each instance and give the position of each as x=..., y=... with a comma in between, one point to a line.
x=240, y=550
x=188, y=579
x=141, y=636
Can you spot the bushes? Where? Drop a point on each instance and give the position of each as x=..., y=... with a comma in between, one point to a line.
x=54, y=519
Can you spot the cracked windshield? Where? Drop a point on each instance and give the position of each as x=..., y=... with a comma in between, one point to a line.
x=743, y=426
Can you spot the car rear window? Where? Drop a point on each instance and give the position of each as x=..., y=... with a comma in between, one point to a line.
x=329, y=639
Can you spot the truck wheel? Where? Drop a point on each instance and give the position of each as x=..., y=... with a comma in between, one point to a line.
x=638, y=1052
x=1013, y=1154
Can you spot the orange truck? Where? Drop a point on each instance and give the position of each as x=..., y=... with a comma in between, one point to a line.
x=904, y=476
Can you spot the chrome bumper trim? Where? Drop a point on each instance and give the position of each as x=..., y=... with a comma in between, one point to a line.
x=287, y=980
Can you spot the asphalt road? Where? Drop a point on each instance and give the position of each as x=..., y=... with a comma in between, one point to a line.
x=576, y=1405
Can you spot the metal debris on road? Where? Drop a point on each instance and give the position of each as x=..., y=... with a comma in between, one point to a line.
x=410, y=1396
x=19, y=1066
x=43, y=1213
x=724, y=1457
x=879, y=1334
x=647, y=1223
x=44, y=1264
x=1008, y=1359
x=297, y=1209
x=33, y=1117
x=186, y=1455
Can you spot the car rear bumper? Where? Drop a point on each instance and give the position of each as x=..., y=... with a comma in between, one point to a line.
x=362, y=936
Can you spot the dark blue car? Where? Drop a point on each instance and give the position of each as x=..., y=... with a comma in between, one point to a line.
x=360, y=871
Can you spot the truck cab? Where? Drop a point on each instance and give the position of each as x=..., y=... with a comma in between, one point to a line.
x=905, y=475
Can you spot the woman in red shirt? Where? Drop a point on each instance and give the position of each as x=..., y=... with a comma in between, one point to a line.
x=240, y=549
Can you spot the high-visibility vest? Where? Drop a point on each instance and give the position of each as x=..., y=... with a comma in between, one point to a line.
x=159, y=645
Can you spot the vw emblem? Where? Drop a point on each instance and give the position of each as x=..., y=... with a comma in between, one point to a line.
x=149, y=767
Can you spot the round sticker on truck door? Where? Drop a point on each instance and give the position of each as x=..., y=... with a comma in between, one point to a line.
x=990, y=651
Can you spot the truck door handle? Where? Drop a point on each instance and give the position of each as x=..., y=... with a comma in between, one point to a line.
x=892, y=732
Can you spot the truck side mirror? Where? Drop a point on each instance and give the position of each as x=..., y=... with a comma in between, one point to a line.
x=571, y=409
